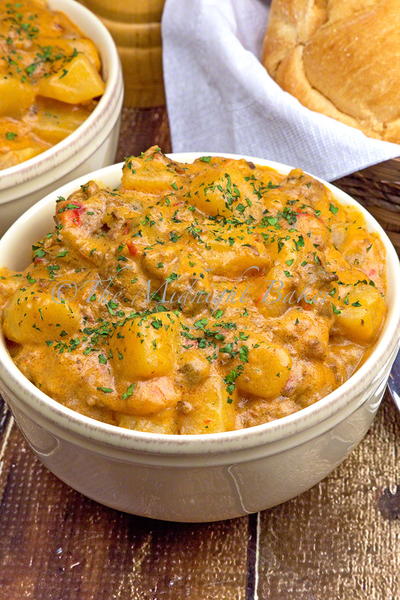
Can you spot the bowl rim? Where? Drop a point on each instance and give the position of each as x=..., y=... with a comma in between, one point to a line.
x=112, y=435
x=93, y=125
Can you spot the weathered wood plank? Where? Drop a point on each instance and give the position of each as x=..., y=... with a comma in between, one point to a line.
x=142, y=128
x=339, y=540
x=53, y=538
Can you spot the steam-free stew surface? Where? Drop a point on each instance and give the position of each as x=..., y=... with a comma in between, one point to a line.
x=196, y=298
x=49, y=79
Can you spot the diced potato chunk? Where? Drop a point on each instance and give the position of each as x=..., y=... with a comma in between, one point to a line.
x=78, y=82
x=361, y=314
x=144, y=398
x=208, y=409
x=15, y=96
x=222, y=190
x=32, y=316
x=151, y=173
x=10, y=281
x=81, y=45
x=238, y=260
x=145, y=347
x=87, y=47
x=267, y=370
x=17, y=144
x=55, y=120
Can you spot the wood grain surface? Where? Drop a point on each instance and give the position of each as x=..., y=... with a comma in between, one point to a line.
x=339, y=540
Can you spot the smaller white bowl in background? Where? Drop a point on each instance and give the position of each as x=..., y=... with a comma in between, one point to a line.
x=91, y=146
x=195, y=477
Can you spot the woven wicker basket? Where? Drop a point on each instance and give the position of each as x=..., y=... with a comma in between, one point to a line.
x=378, y=189
x=136, y=28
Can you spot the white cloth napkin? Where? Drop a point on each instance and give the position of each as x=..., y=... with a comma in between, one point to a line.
x=221, y=99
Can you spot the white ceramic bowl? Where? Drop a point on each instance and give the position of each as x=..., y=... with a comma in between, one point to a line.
x=195, y=477
x=91, y=146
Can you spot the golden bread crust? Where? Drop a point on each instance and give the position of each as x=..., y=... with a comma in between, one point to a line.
x=340, y=58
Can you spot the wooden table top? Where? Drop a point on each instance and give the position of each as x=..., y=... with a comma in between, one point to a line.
x=339, y=540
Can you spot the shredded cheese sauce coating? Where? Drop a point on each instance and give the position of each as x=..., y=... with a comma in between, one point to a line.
x=196, y=298
x=49, y=79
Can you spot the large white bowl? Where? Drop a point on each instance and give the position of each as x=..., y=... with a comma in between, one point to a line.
x=91, y=146
x=195, y=477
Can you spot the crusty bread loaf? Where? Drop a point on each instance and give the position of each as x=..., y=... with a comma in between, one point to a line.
x=340, y=58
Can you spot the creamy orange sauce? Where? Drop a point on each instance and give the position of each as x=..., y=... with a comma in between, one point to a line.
x=196, y=298
x=49, y=79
